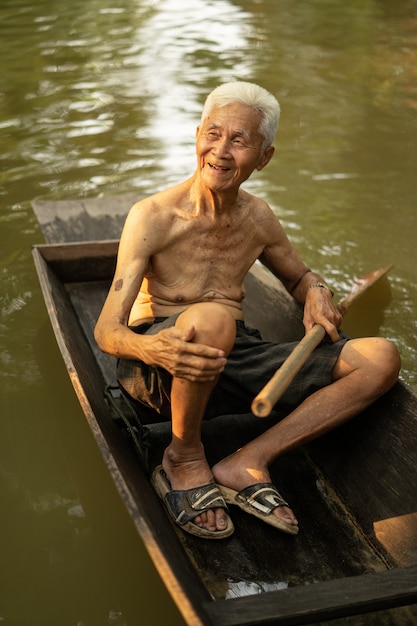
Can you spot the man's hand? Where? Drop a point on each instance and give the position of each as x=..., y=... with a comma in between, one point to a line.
x=320, y=309
x=173, y=349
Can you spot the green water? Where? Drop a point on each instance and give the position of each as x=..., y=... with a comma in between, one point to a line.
x=102, y=97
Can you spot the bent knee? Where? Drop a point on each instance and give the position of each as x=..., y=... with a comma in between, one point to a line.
x=391, y=361
x=386, y=358
x=377, y=358
x=214, y=323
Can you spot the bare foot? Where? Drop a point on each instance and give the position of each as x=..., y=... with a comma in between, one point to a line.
x=190, y=471
x=233, y=472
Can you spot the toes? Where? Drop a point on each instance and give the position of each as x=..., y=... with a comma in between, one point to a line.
x=221, y=519
x=286, y=515
x=212, y=520
x=198, y=521
x=203, y=520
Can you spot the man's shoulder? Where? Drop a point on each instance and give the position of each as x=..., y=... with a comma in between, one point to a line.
x=157, y=217
x=250, y=198
x=257, y=207
x=160, y=201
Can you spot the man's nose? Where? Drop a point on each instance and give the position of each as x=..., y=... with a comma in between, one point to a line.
x=223, y=147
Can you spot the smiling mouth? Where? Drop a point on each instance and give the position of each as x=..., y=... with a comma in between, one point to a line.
x=219, y=168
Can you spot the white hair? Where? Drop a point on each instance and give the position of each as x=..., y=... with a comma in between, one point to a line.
x=252, y=95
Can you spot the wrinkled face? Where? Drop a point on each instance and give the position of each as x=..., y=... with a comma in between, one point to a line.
x=229, y=146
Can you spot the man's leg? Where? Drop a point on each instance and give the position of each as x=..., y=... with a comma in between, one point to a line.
x=184, y=460
x=365, y=369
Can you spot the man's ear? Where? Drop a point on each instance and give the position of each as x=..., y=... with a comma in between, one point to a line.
x=197, y=130
x=265, y=158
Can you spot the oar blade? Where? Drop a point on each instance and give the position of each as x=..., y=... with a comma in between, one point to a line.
x=361, y=285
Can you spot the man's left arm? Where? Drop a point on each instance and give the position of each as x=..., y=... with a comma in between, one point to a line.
x=307, y=287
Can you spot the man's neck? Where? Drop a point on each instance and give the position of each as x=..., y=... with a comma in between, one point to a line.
x=206, y=201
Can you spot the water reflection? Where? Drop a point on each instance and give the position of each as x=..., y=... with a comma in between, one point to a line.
x=243, y=588
x=174, y=73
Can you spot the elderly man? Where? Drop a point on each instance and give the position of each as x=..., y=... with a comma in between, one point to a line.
x=173, y=316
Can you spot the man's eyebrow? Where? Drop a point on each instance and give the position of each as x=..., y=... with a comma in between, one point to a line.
x=241, y=133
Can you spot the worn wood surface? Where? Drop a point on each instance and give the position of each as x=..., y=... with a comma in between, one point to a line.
x=83, y=220
x=354, y=490
x=371, y=462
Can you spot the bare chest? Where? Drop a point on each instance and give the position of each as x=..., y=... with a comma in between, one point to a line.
x=210, y=250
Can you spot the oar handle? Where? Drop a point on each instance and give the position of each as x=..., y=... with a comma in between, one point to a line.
x=265, y=400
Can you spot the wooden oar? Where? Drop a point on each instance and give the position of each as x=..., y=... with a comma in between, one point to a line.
x=264, y=402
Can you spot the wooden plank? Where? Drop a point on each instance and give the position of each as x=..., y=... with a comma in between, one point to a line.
x=78, y=262
x=321, y=601
x=87, y=219
x=398, y=536
x=258, y=558
x=265, y=295
x=371, y=463
x=87, y=300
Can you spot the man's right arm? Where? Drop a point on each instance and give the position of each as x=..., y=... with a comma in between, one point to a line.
x=111, y=332
x=172, y=348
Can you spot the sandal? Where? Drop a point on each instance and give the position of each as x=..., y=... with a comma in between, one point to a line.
x=260, y=500
x=184, y=505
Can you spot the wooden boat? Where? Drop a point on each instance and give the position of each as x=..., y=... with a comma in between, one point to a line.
x=354, y=490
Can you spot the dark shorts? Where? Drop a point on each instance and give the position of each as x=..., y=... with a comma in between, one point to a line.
x=250, y=365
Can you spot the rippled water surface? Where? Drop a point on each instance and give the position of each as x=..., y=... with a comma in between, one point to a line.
x=102, y=97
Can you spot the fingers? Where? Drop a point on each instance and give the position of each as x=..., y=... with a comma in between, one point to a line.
x=188, y=333
x=320, y=309
x=182, y=341
x=332, y=331
x=197, y=369
x=330, y=328
x=174, y=350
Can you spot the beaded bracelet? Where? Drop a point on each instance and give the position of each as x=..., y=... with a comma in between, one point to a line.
x=322, y=286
